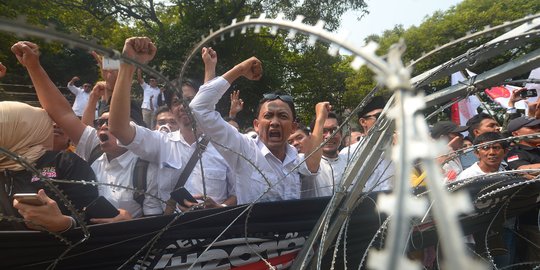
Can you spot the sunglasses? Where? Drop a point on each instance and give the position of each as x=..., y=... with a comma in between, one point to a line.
x=100, y=122
x=272, y=96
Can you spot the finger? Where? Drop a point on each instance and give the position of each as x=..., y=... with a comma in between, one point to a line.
x=101, y=220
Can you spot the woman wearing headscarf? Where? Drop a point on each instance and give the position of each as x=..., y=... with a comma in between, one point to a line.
x=28, y=132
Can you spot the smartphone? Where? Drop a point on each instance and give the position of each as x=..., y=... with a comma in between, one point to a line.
x=28, y=198
x=526, y=93
x=100, y=208
x=110, y=64
x=182, y=194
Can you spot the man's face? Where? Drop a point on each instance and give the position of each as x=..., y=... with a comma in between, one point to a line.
x=87, y=87
x=330, y=148
x=153, y=82
x=274, y=124
x=297, y=139
x=179, y=112
x=491, y=155
x=527, y=131
x=368, y=120
x=166, y=119
x=487, y=125
x=107, y=141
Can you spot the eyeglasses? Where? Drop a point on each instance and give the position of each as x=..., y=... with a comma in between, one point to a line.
x=100, y=122
x=495, y=148
x=163, y=122
x=376, y=116
x=272, y=96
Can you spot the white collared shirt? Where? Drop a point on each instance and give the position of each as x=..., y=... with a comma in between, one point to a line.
x=119, y=171
x=382, y=177
x=329, y=177
x=276, y=179
x=149, y=91
x=81, y=99
x=172, y=153
x=473, y=171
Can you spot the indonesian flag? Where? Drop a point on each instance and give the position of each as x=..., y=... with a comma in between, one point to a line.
x=501, y=94
x=463, y=110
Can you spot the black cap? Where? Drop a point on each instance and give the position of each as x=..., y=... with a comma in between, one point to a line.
x=377, y=102
x=520, y=122
x=446, y=127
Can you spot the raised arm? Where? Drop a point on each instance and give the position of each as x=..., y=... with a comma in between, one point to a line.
x=97, y=93
x=250, y=68
x=142, y=50
x=209, y=57
x=71, y=85
x=48, y=94
x=139, y=76
x=321, y=114
x=237, y=104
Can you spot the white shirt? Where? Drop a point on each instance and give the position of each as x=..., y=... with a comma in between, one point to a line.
x=119, y=171
x=473, y=171
x=329, y=177
x=172, y=152
x=246, y=156
x=382, y=177
x=81, y=99
x=149, y=91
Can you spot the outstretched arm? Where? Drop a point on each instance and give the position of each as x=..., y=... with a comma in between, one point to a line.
x=139, y=76
x=321, y=111
x=250, y=68
x=48, y=94
x=142, y=50
x=209, y=57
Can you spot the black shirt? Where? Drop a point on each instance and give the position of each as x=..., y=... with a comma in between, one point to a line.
x=55, y=165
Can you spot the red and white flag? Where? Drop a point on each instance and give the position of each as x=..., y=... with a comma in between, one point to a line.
x=463, y=110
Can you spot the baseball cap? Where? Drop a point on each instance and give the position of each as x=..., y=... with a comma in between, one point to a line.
x=446, y=127
x=520, y=122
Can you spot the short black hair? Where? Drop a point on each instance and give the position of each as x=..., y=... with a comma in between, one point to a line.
x=303, y=128
x=490, y=136
x=330, y=115
x=191, y=83
x=160, y=110
x=475, y=121
x=276, y=93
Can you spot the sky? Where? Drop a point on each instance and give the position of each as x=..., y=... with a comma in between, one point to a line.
x=384, y=14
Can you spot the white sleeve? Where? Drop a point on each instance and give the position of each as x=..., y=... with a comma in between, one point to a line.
x=74, y=89
x=213, y=125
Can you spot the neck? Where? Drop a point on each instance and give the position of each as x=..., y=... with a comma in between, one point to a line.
x=332, y=154
x=188, y=134
x=280, y=152
x=487, y=168
x=115, y=153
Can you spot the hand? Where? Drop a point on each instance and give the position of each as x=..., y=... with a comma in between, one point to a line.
x=3, y=70
x=322, y=109
x=515, y=97
x=209, y=57
x=27, y=53
x=251, y=69
x=47, y=216
x=74, y=79
x=99, y=58
x=151, y=97
x=99, y=89
x=140, y=49
x=237, y=104
x=533, y=108
x=124, y=215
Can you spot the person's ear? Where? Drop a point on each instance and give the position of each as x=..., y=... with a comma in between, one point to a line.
x=256, y=125
x=476, y=153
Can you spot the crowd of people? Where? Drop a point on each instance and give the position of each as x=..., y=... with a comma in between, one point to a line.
x=139, y=155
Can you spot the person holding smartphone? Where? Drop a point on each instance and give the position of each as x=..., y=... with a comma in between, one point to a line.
x=28, y=132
